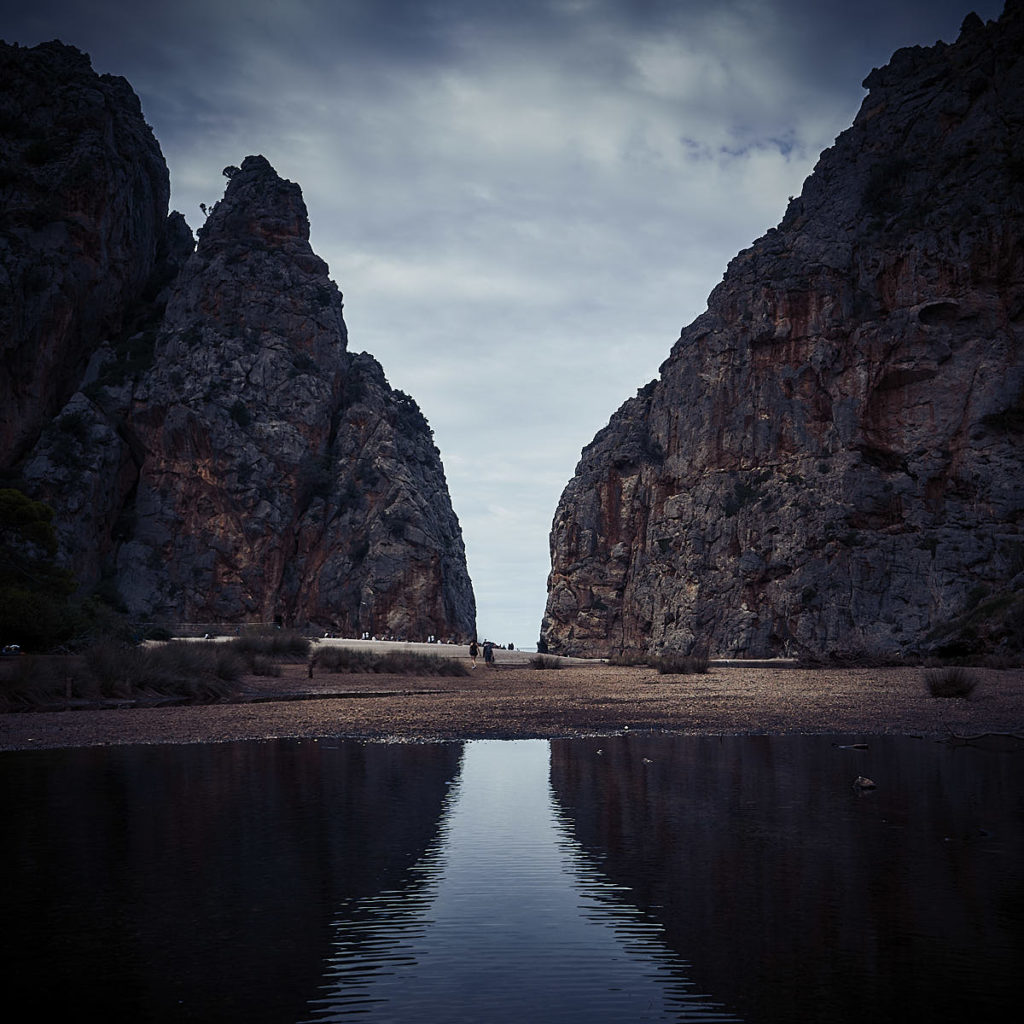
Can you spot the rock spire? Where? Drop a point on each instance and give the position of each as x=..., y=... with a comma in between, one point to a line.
x=213, y=450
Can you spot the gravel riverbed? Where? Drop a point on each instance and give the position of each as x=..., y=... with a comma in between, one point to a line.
x=512, y=700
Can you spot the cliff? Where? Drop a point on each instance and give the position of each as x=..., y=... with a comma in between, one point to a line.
x=830, y=462
x=216, y=453
x=84, y=192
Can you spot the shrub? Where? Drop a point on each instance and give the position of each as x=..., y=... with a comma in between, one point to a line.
x=261, y=666
x=191, y=671
x=41, y=151
x=410, y=664
x=113, y=668
x=240, y=413
x=885, y=182
x=543, y=662
x=36, y=621
x=76, y=424
x=629, y=659
x=953, y=681
x=181, y=671
x=675, y=664
x=34, y=591
x=341, y=659
x=27, y=682
x=282, y=645
x=316, y=477
x=402, y=663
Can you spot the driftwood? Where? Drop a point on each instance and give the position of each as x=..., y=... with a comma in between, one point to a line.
x=999, y=742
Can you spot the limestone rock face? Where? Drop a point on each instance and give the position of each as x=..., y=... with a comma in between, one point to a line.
x=282, y=478
x=83, y=205
x=830, y=463
x=212, y=450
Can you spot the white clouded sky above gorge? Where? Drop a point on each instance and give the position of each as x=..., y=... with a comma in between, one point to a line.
x=523, y=201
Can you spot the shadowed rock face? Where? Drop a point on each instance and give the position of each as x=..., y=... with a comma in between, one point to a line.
x=282, y=475
x=83, y=205
x=830, y=462
x=223, y=457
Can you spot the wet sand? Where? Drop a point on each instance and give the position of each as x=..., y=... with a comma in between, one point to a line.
x=511, y=700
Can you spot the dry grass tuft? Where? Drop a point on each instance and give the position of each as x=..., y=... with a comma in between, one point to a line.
x=952, y=681
x=280, y=645
x=544, y=662
x=682, y=664
x=407, y=663
x=196, y=673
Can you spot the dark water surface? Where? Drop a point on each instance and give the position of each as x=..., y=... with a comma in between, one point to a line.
x=613, y=879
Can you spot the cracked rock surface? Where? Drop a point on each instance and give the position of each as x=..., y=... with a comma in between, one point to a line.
x=212, y=449
x=830, y=463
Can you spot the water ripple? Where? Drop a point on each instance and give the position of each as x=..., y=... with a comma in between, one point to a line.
x=504, y=919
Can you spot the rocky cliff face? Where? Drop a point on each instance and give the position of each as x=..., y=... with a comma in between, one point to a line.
x=84, y=191
x=222, y=456
x=830, y=463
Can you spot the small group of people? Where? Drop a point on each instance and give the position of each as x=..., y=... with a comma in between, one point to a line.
x=367, y=635
x=488, y=647
x=474, y=652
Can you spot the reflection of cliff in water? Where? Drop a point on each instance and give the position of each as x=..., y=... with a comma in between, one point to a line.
x=199, y=882
x=795, y=899
x=510, y=925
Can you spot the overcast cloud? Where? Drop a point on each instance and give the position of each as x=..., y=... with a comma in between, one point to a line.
x=523, y=201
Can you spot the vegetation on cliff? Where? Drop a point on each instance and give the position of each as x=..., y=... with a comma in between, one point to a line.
x=34, y=591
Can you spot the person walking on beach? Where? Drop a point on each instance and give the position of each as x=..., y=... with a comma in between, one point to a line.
x=489, y=653
x=473, y=652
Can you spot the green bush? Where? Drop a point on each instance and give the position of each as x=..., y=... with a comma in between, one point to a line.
x=35, y=621
x=952, y=681
x=34, y=590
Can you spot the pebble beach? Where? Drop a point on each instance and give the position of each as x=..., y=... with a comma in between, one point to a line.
x=512, y=700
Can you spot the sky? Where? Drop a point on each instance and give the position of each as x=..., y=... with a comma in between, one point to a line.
x=522, y=201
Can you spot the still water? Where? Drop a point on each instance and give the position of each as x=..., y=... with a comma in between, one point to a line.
x=615, y=879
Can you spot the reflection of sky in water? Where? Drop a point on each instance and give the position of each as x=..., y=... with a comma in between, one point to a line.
x=508, y=921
